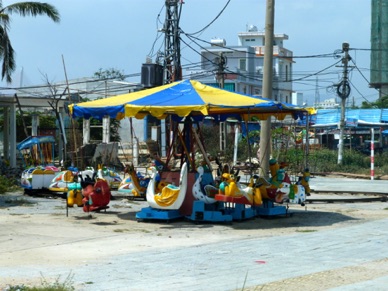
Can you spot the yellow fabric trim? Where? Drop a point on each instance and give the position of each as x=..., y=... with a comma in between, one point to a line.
x=214, y=100
x=167, y=197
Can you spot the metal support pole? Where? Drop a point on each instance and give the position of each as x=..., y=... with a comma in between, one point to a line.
x=12, y=136
x=372, y=153
x=106, y=129
x=265, y=132
x=307, y=150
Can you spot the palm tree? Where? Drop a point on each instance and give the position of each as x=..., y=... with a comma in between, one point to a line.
x=23, y=9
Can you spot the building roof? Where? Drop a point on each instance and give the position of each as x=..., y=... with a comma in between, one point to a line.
x=368, y=117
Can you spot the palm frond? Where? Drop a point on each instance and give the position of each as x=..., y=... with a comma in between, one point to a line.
x=1, y=42
x=7, y=54
x=33, y=9
x=23, y=9
x=4, y=20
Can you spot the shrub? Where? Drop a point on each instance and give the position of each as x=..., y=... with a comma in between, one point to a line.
x=322, y=160
x=7, y=184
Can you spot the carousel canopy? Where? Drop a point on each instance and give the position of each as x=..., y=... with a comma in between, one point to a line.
x=185, y=98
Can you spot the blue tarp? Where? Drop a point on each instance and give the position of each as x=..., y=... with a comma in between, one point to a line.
x=364, y=117
x=252, y=126
x=34, y=140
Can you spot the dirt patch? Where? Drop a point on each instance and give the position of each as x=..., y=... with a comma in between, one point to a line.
x=36, y=232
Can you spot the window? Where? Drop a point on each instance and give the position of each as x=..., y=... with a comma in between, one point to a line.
x=286, y=73
x=243, y=64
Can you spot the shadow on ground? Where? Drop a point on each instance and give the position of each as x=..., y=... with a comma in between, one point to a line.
x=295, y=219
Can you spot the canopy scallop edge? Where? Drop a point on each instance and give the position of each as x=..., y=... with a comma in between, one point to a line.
x=184, y=98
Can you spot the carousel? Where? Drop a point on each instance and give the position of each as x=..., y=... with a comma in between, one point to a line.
x=192, y=188
x=37, y=155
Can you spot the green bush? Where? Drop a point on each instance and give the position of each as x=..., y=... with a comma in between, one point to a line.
x=326, y=160
x=7, y=184
x=317, y=160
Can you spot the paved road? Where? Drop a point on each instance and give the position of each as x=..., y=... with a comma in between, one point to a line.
x=238, y=263
x=231, y=265
x=347, y=184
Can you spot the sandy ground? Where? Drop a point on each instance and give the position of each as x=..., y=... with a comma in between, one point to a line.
x=35, y=231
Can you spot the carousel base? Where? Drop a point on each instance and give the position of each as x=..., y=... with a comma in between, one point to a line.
x=214, y=212
x=270, y=209
x=149, y=213
x=241, y=212
x=238, y=207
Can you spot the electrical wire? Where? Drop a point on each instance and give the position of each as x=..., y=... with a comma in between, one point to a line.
x=218, y=15
x=364, y=49
x=158, y=34
x=91, y=80
x=355, y=88
x=335, y=54
x=252, y=78
x=363, y=76
x=316, y=73
x=199, y=53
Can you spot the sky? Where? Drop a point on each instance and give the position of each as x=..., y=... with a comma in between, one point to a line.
x=120, y=34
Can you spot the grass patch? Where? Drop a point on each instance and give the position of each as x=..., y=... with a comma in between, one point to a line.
x=351, y=210
x=306, y=230
x=120, y=230
x=119, y=206
x=8, y=184
x=145, y=230
x=18, y=202
x=57, y=285
x=57, y=214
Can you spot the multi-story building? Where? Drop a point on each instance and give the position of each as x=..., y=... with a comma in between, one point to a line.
x=379, y=47
x=240, y=68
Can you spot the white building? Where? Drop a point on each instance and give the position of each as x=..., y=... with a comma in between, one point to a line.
x=243, y=65
x=327, y=104
x=297, y=98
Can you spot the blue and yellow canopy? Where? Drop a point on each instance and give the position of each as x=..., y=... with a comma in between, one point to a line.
x=184, y=98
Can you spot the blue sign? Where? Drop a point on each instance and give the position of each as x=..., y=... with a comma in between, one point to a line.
x=351, y=122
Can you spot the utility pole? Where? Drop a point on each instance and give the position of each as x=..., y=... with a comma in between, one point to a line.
x=343, y=91
x=220, y=77
x=317, y=98
x=221, y=61
x=172, y=56
x=265, y=132
x=172, y=50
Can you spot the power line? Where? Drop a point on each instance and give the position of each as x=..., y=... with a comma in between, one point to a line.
x=207, y=26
